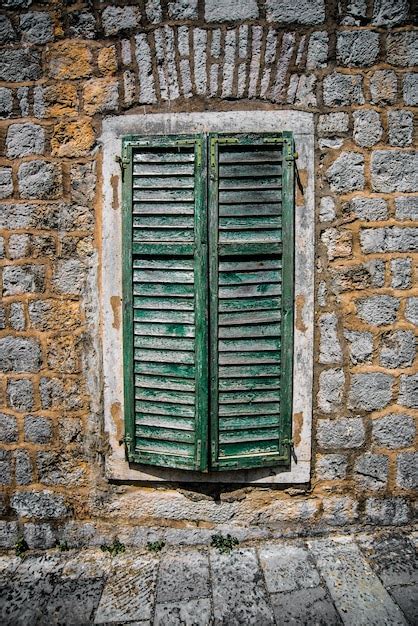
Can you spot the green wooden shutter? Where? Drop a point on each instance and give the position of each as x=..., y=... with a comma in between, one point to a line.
x=251, y=299
x=165, y=300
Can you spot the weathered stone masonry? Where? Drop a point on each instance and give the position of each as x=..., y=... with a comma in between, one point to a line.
x=63, y=67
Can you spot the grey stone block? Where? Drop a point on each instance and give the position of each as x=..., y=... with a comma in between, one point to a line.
x=407, y=470
x=184, y=612
x=8, y=428
x=288, y=12
x=17, y=316
x=7, y=32
x=6, y=182
x=406, y=597
x=20, y=394
x=389, y=239
x=327, y=209
x=39, y=505
x=83, y=183
x=408, y=392
x=390, y=12
x=387, y=511
x=37, y=429
x=5, y=467
x=340, y=433
x=23, y=279
x=36, y=27
x=339, y=510
x=70, y=430
x=406, y=208
x=55, y=468
x=39, y=536
x=410, y=89
x=368, y=209
x=411, y=310
x=317, y=56
x=331, y=466
x=398, y=349
x=378, y=310
x=287, y=567
x=40, y=180
x=23, y=467
x=153, y=11
x=19, y=246
x=182, y=576
x=20, y=354
x=230, y=10
x=6, y=102
x=9, y=533
x=361, y=346
x=116, y=19
x=331, y=385
x=25, y=139
x=383, y=87
x=329, y=346
x=367, y=128
x=82, y=25
x=401, y=273
x=343, y=90
x=346, y=173
x=393, y=170
x=402, y=48
x=69, y=276
x=370, y=391
x=357, y=48
x=371, y=471
x=311, y=606
x=183, y=9
x=352, y=13
x=333, y=123
x=20, y=65
x=401, y=128
x=394, y=431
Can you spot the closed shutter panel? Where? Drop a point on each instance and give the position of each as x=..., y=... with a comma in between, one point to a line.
x=251, y=278
x=165, y=300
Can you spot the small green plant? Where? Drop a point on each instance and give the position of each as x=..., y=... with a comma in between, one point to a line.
x=21, y=547
x=224, y=544
x=115, y=548
x=155, y=546
x=63, y=546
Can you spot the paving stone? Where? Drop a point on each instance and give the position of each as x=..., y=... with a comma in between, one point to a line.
x=406, y=597
x=357, y=592
x=307, y=606
x=194, y=612
x=129, y=592
x=239, y=596
x=89, y=563
x=182, y=576
x=287, y=567
x=392, y=556
x=73, y=601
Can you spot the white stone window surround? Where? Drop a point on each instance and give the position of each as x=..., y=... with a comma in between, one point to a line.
x=114, y=128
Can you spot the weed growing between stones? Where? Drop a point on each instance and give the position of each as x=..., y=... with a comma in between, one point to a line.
x=114, y=549
x=21, y=547
x=63, y=546
x=224, y=544
x=155, y=546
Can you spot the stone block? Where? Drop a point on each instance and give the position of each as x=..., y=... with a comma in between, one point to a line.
x=326, y=209
x=408, y=392
x=23, y=279
x=36, y=27
x=63, y=354
x=370, y=391
x=37, y=429
x=390, y=12
x=339, y=510
x=40, y=536
x=7, y=32
x=6, y=182
x=19, y=246
x=6, y=102
x=107, y=61
x=116, y=19
x=411, y=310
x=51, y=314
x=17, y=316
x=56, y=468
x=346, y=173
x=20, y=354
x=407, y=470
x=59, y=393
x=60, y=99
x=39, y=505
x=361, y=346
x=20, y=65
x=352, y=13
x=387, y=511
x=393, y=170
x=230, y=10
x=331, y=466
x=410, y=89
x=331, y=385
x=69, y=277
x=70, y=430
x=23, y=467
x=402, y=48
x=100, y=95
x=307, y=12
x=317, y=55
x=333, y=123
x=72, y=138
x=371, y=471
x=398, y=349
x=367, y=209
x=367, y=128
x=5, y=467
x=400, y=128
x=69, y=60
x=287, y=567
x=389, y=239
x=9, y=534
x=406, y=208
x=401, y=270
x=40, y=179
x=20, y=394
x=357, y=48
x=82, y=25
x=329, y=346
x=383, y=87
x=343, y=90
x=378, y=310
x=153, y=11
x=394, y=431
x=340, y=433
x=185, y=9
x=8, y=428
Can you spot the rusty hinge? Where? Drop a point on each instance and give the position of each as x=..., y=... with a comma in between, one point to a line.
x=123, y=163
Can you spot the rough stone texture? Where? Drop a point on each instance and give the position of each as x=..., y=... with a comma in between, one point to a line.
x=333, y=123
x=398, y=349
x=100, y=95
x=361, y=346
x=401, y=128
x=370, y=391
x=37, y=429
x=330, y=389
x=389, y=12
x=343, y=90
x=185, y=9
x=371, y=471
x=357, y=48
x=6, y=102
x=394, y=171
x=327, y=209
x=410, y=89
x=117, y=19
x=383, y=87
x=339, y=510
x=69, y=276
x=378, y=310
x=24, y=139
x=39, y=505
x=411, y=310
x=40, y=180
x=394, y=431
x=368, y=209
x=82, y=25
x=388, y=511
x=6, y=182
x=401, y=273
x=287, y=12
x=19, y=65
x=340, y=433
x=20, y=394
x=19, y=354
x=408, y=392
x=407, y=470
x=389, y=240
x=406, y=208
x=36, y=27
x=329, y=347
x=317, y=51
x=8, y=428
x=402, y=48
x=23, y=279
x=346, y=173
x=331, y=467
x=367, y=128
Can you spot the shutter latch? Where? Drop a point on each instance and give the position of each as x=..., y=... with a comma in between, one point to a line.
x=290, y=444
x=123, y=165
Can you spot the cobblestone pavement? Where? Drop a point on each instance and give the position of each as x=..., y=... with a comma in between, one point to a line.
x=353, y=580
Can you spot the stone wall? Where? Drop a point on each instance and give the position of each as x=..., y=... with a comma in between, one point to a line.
x=66, y=65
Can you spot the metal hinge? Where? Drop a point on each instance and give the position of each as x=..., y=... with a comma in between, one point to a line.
x=123, y=163
x=219, y=140
x=129, y=447
x=289, y=442
x=273, y=139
